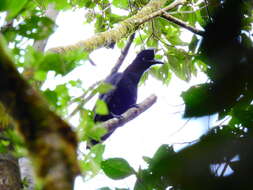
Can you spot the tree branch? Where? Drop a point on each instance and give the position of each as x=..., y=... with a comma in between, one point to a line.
x=10, y=174
x=181, y=23
x=126, y=27
x=51, y=13
x=130, y=114
x=50, y=141
x=123, y=55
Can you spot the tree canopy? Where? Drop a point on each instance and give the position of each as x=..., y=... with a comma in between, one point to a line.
x=34, y=120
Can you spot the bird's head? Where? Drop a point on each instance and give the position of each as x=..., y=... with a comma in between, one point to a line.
x=148, y=56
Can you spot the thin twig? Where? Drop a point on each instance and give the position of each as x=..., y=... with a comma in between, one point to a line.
x=84, y=100
x=161, y=11
x=172, y=134
x=86, y=92
x=225, y=168
x=123, y=54
x=217, y=169
x=181, y=143
x=207, y=11
x=186, y=12
x=91, y=61
x=181, y=23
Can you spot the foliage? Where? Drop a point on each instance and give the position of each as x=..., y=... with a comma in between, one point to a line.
x=224, y=54
x=117, y=168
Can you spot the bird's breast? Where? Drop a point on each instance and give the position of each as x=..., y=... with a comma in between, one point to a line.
x=123, y=98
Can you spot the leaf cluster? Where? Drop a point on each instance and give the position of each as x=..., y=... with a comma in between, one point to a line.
x=224, y=53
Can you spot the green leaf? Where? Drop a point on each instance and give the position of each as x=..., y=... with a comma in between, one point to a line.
x=163, y=151
x=117, y=168
x=140, y=39
x=40, y=75
x=100, y=24
x=116, y=18
x=36, y=27
x=104, y=88
x=75, y=83
x=104, y=188
x=62, y=64
x=63, y=92
x=201, y=100
x=147, y=159
x=193, y=99
x=194, y=43
x=52, y=62
x=4, y=5
x=10, y=35
x=161, y=73
x=3, y=148
x=200, y=19
x=101, y=108
x=51, y=97
x=121, y=44
x=5, y=142
x=12, y=6
x=180, y=63
x=91, y=131
x=88, y=4
x=91, y=162
x=97, y=132
x=122, y=4
x=32, y=58
x=62, y=4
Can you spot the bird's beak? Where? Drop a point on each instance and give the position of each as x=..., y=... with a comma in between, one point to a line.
x=154, y=61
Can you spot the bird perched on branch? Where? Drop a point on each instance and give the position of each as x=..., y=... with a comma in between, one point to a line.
x=124, y=94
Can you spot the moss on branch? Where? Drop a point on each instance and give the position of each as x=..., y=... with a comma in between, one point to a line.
x=51, y=142
x=124, y=28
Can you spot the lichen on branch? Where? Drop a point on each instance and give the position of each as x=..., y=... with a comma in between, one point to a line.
x=124, y=28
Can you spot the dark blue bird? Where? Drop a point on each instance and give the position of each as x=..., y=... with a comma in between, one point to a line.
x=124, y=94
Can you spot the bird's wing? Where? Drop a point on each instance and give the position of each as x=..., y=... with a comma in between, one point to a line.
x=114, y=80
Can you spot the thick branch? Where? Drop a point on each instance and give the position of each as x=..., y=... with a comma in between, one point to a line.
x=9, y=172
x=124, y=28
x=52, y=14
x=183, y=24
x=130, y=114
x=50, y=141
x=123, y=54
x=27, y=173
